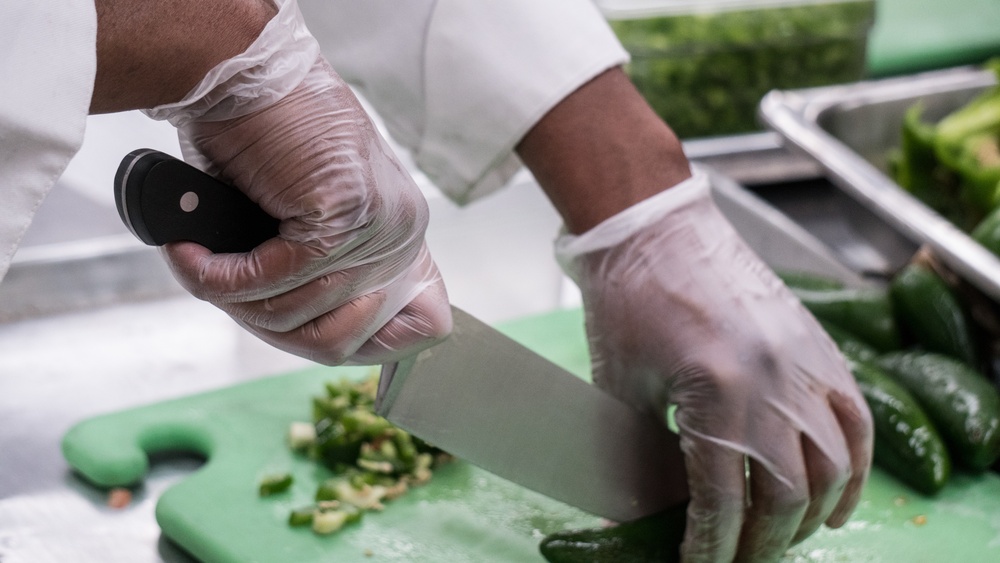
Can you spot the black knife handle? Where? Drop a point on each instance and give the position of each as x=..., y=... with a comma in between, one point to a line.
x=162, y=199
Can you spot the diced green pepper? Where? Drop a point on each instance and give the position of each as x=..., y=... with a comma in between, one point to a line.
x=301, y=516
x=327, y=490
x=328, y=521
x=301, y=435
x=372, y=459
x=274, y=484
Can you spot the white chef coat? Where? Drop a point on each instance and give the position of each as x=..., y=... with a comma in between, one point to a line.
x=460, y=82
x=457, y=82
x=47, y=68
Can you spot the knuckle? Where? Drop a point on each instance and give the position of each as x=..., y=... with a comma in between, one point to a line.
x=324, y=348
x=755, y=360
x=279, y=321
x=194, y=285
x=715, y=509
x=722, y=378
x=793, y=500
x=780, y=495
x=752, y=352
x=439, y=324
x=713, y=521
x=834, y=475
x=277, y=324
x=329, y=357
x=765, y=353
x=264, y=316
x=839, y=479
x=852, y=405
x=256, y=315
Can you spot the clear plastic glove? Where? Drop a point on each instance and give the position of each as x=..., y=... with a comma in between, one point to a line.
x=349, y=279
x=680, y=311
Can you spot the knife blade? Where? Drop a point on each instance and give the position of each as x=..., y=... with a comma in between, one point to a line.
x=487, y=399
x=478, y=394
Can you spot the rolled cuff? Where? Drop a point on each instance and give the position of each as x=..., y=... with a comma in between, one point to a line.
x=618, y=228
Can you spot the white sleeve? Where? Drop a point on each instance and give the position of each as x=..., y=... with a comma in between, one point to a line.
x=47, y=64
x=459, y=83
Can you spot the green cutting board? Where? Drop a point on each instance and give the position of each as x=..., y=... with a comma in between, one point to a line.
x=917, y=35
x=464, y=513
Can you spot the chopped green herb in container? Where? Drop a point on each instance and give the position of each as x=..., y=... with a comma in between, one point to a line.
x=704, y=65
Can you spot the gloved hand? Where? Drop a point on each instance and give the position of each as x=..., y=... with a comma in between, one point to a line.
x=349, y=279
x=679, y=311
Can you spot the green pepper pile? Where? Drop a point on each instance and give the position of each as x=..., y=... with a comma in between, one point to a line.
x=921, y=364
x=373, y=460
x=953, y=165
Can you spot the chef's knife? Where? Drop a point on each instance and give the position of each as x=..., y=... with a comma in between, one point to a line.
x=478, y=394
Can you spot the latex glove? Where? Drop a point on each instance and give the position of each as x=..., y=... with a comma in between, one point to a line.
x=349, y=279
x=680, y=311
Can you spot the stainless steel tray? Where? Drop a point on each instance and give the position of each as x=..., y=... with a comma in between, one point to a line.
x=850, y=129
x=777, y=239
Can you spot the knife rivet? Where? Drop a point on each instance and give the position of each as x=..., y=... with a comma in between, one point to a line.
x=189, y=202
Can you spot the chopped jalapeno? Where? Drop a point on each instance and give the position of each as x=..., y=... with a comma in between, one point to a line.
x=373, y=461
x=301, y=516
x=273, y=484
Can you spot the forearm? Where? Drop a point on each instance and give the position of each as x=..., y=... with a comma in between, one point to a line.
x=152, y=52
x=601, y=150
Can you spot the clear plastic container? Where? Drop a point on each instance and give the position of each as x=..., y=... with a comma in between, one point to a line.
x=704, y=65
